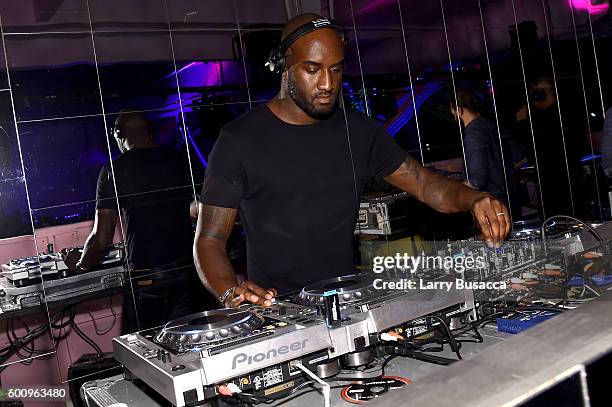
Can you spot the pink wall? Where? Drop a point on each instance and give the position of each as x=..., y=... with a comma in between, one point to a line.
x=52, y=370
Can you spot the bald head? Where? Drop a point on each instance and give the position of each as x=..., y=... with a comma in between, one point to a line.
x=132, y=129
x=298, y=21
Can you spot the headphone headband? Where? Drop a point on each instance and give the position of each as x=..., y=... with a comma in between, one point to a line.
x=307, y=28
x=276, y=60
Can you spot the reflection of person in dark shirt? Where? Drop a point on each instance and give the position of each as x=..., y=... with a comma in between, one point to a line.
x=560, y=142
x=485, y=166
x=154, y=193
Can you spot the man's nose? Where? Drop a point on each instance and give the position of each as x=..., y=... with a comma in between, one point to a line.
x=325, y=81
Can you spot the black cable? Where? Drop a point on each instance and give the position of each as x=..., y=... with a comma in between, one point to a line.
x=453, y=344
x=82, y=335
x=386, y=362
x=16, y=343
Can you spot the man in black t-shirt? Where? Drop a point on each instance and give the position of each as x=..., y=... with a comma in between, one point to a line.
x=295, y=167
x=154, y=193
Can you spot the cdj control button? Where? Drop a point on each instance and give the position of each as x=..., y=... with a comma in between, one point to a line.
x=210, y=335
x=224, y=332
x=357, y=294
x=176, y=368
x=196, y=337
x=269, y=327
x=236, y=329
x=346, y=296
x=281, y=324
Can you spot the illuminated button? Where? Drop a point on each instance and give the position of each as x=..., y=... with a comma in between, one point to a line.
x=269, y=327
x=210, y=335
x=223, y=333
x=282, y=324
x=196, y=337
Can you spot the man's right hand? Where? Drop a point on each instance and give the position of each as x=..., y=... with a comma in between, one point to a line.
x=71, y=257
x=250, y=292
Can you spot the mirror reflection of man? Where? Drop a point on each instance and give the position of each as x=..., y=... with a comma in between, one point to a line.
x=559, y=141
x=154, y=193
x=290, y=169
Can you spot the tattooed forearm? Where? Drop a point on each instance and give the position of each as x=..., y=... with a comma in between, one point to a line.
x=435, y=194
x=214, y=227
x=440, y=193
x=410, y=168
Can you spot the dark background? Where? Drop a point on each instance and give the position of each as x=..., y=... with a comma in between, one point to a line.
x=68, y=67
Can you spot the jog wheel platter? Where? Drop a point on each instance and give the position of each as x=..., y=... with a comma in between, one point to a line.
x=350, y=289
x=208, y=327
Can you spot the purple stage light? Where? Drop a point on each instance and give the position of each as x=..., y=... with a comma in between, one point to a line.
x=589, y=6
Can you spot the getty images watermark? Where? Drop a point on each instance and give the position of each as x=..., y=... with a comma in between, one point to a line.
x=413, y=264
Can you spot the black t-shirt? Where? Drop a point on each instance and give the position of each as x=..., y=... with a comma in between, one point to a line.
x=155, y=190
x=295, y=188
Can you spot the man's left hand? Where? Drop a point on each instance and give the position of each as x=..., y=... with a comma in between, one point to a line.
x=493, y=218
x=71, y=257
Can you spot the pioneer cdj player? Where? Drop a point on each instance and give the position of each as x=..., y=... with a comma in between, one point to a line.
x=262, y=349
x=250, y=346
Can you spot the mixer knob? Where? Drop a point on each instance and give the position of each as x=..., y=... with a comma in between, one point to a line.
x=196, y=337
x=223, y=333
x=210, y=335
x=183, y=339
x=236, y=329
x=346, y=297
x=358, y=294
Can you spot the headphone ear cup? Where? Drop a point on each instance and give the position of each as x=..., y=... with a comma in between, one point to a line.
x=275, y=60
x=280, y=65
x=538, y=95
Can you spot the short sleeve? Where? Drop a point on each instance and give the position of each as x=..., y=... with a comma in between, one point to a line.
x=385, y=155
x=223, y=185
x=105, y=190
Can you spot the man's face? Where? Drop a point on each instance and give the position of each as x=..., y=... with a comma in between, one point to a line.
x=119, y=137
x=314, y=72
x=456, y=112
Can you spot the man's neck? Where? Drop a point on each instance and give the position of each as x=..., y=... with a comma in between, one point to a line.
x=469, y=118
x=286, y=110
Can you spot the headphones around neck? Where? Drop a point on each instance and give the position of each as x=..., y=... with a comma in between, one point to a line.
x=277, y=58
